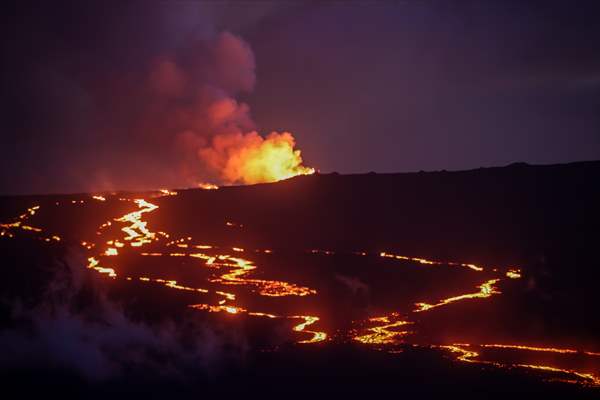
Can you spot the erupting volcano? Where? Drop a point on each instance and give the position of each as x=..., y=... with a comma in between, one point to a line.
x=317, y=199
x=252, y=159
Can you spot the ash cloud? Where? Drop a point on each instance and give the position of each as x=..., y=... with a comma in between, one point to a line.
x=130, y=95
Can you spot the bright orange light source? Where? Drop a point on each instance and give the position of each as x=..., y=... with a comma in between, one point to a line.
x=250, y=158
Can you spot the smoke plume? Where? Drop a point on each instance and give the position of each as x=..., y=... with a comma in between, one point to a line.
x=250, y=158
x=73, y=326
x=145, y=96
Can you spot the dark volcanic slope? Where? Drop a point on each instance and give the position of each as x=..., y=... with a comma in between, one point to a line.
x=543, y=219
x=539, y=219
x=518, y=214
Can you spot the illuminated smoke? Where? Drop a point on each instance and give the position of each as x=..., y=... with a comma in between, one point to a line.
x=157, y=105
x=96, y=339
x=250, y=158
x=218, y=141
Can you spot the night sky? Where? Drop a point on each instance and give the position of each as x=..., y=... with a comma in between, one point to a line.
x=94, y=99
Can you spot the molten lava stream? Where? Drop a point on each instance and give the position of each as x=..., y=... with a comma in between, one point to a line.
x=6, y=228
x=137, y=232
x=309, y=320
x=486, y=289
x=241, y=268
x=556, y=363
x=431, y=262
x=316, y=336
x=533, y=358
x=386, y=332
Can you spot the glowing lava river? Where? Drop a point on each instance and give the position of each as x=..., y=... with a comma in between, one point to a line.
x=253, y=283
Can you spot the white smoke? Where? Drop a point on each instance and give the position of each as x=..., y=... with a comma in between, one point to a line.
x=96, y=340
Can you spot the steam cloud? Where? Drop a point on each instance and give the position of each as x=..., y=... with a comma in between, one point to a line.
x=145, y=97
x=218, y=128
x=74, y=327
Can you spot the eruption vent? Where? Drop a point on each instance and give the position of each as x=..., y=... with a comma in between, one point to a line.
x=218, y=138
x=168, y=115
x=250, y=158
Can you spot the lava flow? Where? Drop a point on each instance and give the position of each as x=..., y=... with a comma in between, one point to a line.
x=242, y=267
x=464, y=352
x=224, y=280
x=385, y=332
x=486, y=289
x=138, y=235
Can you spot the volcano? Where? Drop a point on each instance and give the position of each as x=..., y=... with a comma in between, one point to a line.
x=479, y=282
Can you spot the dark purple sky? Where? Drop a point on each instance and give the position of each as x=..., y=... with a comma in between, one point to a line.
x=363, y=85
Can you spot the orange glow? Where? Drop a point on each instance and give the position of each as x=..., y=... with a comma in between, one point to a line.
x=270, y=288
x=20, y=225
x=589, y=378
x=249, y=158
x=226, y=270
x=207, y=186
x=167, y=192
x=137, y=231
x=172, y=284
x=261, y=314
x=111, y=251
x=106, y=224
x=219, y=308
x=431, y=262
x=513, y=273
x=530, y=348
x=486, y=289
x=228, y=296
x=317, y=336
x=93, y=263
x=471, y=356
x=463, y=354
x=5, y=229
x=385, y=333
x=309, y=320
